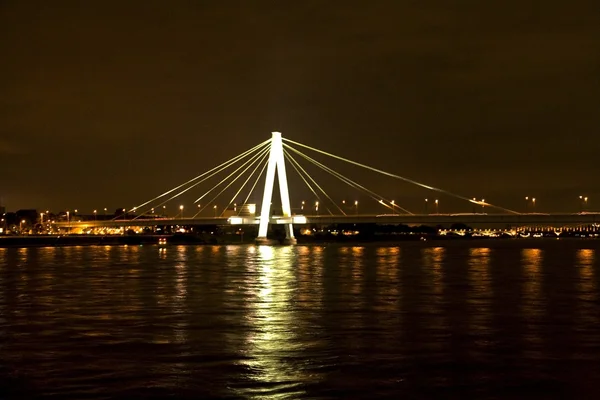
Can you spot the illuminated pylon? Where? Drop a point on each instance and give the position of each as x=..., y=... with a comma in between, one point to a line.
x=276, y=161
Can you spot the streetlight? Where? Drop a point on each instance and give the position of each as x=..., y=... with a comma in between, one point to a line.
x=356, y=206
x=583, y=203
x=105, y=211
x=95, y=212
x=393, y=207
x=437, y=204
x=181, y=210
x=317, y=207
x=526, y=204
x=482, y=205
x=68, y=223
x=215, y=208
x=426, y=206
x=164, y=211
x=21, y=226
x=533, y=201
x=42, y=218
x=302, y=206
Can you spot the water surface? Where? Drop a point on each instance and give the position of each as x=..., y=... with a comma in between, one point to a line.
x=490, y=319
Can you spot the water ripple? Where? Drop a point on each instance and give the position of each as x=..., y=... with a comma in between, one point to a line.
x=259, y=322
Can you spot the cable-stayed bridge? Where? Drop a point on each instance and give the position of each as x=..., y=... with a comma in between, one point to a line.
x=269, y=159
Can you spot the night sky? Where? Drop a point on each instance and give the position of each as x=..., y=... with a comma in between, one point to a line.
x=108, y=103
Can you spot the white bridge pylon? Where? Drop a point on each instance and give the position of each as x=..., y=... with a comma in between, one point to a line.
x=276, y=162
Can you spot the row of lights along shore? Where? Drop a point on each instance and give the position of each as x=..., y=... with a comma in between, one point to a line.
x=530, y=206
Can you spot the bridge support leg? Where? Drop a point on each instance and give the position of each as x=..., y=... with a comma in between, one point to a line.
x=276, y=162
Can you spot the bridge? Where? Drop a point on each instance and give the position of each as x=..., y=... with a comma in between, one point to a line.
x=271, y=155
x=484, y=221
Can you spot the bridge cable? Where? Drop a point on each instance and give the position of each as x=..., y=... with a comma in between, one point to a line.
x=220, y=167
x=264, y=157
x=293, y=161
x=252, y=161
x=481, y=203
x=302, y=176
x=254, y=185
x=197, y=183
x=375, y=196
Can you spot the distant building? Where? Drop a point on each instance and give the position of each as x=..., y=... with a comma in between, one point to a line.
x=29, y=216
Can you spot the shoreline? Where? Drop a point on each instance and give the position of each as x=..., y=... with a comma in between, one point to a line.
x=166, y=240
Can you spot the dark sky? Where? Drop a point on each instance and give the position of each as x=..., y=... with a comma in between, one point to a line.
x=107, y=103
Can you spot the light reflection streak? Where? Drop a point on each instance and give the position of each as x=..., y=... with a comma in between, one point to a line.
x=178, y=302
x=22, y=264
x=309, y=270
x=588, y=294
x=531, y=260
x=388, y=262
x=3, y=298
x=433, y=258
x=133, y=256
x=585, y=264
x=432, y=261
x=272, y=348
x=480, y=294
x=342, y=267
x=162, y=253
x=357, y=273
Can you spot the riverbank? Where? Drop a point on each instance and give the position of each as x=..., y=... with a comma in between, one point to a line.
x=163, y=240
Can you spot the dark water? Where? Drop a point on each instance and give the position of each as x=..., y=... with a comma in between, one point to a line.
x=498, y=319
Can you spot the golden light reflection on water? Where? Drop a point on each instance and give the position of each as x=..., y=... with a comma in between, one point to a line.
x=586, y=287
x=388, y=286
x=3, y=297
x=272, y=341
x=179, y=307
x=345, y=256
x=254, y=320
x=585, y=268
x=433, y=258
x=357, y=254
x=309, y=272
x=22, y=264
x=479, y=296
x=531, y=260
x=162, y=253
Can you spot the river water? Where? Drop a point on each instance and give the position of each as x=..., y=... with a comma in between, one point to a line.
x=490, y=319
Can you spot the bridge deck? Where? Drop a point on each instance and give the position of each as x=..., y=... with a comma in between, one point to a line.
x=446, y=220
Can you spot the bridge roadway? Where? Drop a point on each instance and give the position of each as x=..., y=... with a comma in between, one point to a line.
x=480, y=221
